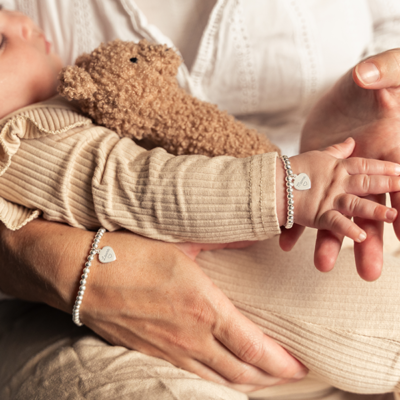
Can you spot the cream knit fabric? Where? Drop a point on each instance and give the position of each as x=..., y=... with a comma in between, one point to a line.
x=345, y=330
x=55, y=161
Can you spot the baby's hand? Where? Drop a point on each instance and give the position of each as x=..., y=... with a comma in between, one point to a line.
x=338, y=184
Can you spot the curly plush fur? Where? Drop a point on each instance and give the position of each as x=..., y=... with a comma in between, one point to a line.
x=132, y=89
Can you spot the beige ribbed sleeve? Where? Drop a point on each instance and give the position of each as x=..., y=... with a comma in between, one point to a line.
x=196, y=198
x=56, y=161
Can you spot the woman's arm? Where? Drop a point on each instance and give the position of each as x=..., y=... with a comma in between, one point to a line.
x=153, y=298
x=42, y=262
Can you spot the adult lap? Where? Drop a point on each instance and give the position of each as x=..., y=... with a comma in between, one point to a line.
x=45, y=356
x=344, y=329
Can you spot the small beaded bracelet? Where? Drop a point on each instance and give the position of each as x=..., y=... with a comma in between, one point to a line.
x=106, y=255
x=299, y=182
x=289, y=190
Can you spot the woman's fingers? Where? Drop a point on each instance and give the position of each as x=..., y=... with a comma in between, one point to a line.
x=242, y=337
x=395, y=201
x=220, y=360
x=289, y=237
x=369, y=254
x=205, y=372
x=379, y=71
x=180, y=359
x=208, y=358
x=327, y=248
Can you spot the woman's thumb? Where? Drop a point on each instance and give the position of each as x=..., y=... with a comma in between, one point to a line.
x=342, y=150
x=379, y=72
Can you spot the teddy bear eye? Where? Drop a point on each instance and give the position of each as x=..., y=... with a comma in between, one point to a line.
x=133, y=59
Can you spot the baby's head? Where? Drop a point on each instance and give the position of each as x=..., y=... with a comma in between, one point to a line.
x=28, y=67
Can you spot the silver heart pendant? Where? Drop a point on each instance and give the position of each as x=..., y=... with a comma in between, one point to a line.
x=302, y=182
x=107, y=255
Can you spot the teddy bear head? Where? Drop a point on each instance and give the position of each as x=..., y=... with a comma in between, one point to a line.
x=119, y=80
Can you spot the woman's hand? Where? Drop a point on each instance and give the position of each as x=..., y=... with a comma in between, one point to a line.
x=153, y=298
x=364, y=104
x=368, y=112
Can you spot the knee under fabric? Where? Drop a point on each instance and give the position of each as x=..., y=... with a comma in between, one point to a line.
x=345, y=330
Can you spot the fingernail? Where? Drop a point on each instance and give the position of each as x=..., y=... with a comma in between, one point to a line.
x=362, y=237
x=397, y=169
x=391, y=214
x=368, y=73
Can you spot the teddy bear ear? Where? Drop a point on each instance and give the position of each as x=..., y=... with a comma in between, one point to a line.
x=76, y=84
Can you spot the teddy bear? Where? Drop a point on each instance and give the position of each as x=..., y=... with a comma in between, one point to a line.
x=132, y=89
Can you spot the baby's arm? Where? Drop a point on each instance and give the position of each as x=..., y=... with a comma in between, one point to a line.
x=99, y=179
x=186, y=198
x=338, y=184
x=223, y=199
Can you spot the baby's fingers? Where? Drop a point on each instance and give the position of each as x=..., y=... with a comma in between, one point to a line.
x=353, y=206
x=363, y=185
x=336, y=222
x=357, y=165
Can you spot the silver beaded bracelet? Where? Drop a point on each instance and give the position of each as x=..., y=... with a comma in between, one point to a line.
x=106, y=255
x=299, y=182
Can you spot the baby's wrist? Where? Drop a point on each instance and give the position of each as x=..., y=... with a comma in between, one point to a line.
x=300, y=180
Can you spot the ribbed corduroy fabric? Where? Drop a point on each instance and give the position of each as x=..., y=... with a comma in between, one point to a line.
x=345, y=330
x=55, y=161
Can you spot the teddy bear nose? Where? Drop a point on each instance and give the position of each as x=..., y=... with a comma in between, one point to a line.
x=133, y=59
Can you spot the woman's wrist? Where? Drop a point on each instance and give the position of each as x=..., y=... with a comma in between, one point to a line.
x=43, y=262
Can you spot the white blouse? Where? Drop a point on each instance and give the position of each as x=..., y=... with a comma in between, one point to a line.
x=265, y=61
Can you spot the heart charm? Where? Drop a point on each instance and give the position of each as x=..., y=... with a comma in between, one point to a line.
x=302, y=182
x=107, y=255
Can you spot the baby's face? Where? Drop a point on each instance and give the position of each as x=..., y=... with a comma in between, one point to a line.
x=28, y=67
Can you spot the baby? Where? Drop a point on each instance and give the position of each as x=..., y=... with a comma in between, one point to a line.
x=56, y=162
